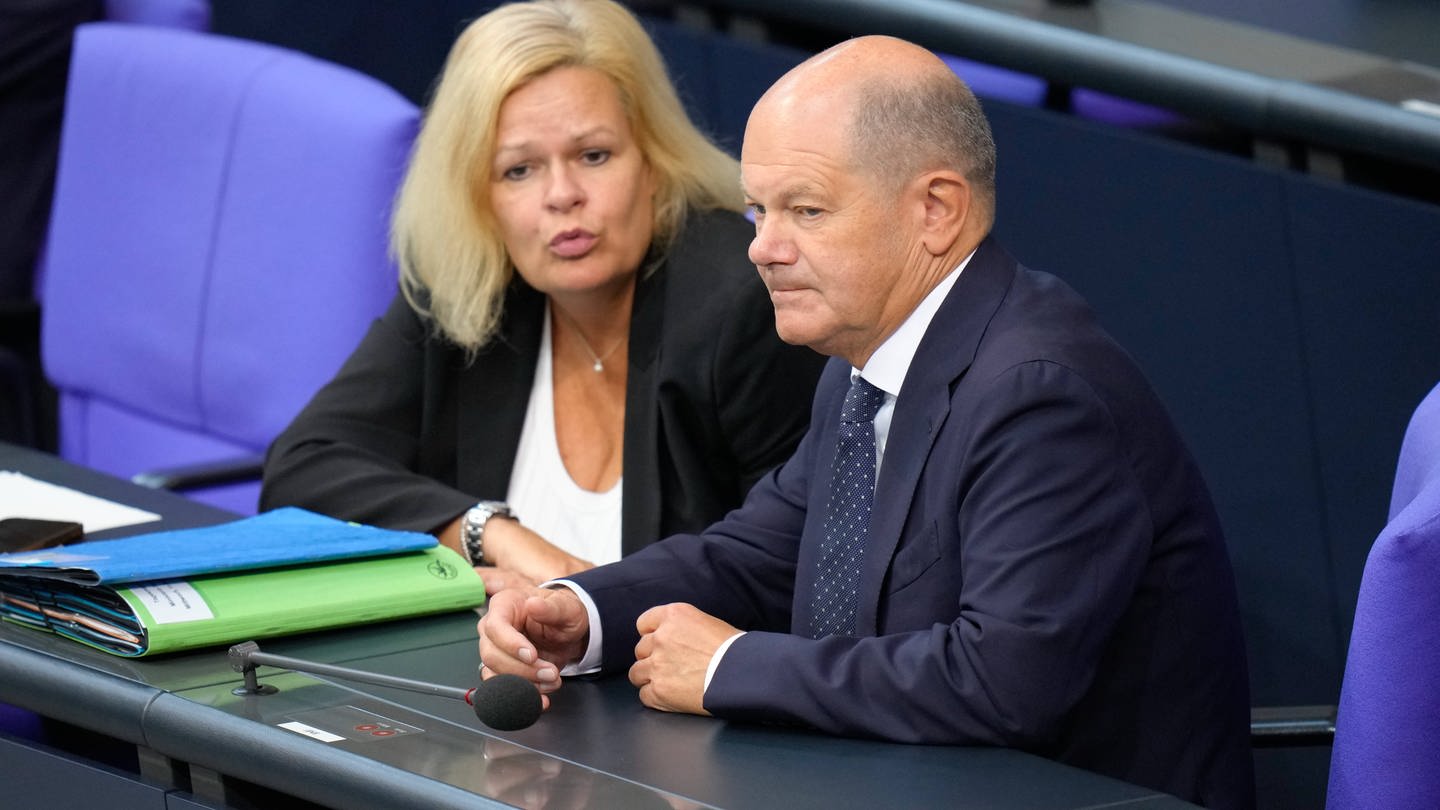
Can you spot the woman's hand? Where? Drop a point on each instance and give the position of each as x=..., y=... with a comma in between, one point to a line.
x=518, y=557
x=523, y=558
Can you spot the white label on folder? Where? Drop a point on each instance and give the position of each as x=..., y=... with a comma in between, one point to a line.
x=311, y=731
x=172, y=602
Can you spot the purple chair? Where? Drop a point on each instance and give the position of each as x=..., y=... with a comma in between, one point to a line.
x=218, y=244
x=1387, y=731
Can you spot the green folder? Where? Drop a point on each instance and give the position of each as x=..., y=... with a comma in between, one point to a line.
x=145, y=618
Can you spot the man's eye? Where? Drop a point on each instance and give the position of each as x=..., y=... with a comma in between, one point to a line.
x=808, y=213
x=757, y=209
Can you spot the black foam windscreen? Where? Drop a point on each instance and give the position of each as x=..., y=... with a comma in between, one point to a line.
x=506, y=702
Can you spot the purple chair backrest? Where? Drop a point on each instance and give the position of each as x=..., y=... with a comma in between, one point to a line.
x=1387, y=732
x=218, y=242
x=1419, y=453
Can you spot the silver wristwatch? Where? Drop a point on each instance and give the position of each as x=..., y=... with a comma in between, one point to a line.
x=472, y=529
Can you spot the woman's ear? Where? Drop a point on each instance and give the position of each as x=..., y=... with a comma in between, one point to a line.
x=948, y=204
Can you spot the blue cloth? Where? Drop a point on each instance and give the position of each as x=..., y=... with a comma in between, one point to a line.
x=847, y=514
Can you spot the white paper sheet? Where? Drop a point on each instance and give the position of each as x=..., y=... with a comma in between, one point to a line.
x=23, y=496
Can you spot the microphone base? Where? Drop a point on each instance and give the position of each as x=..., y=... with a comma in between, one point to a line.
x=240, y=661
x=258, y=689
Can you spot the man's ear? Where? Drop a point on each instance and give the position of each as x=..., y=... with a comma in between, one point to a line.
x=948, y=203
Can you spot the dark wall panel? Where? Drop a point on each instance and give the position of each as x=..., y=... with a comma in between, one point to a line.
x=1183, y=255
x=1368, y=282
x=720, y=79
x=402, y=44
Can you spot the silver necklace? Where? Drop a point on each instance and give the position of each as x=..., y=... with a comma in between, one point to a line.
x=598, y=359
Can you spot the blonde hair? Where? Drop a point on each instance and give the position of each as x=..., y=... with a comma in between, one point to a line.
x=443, y=235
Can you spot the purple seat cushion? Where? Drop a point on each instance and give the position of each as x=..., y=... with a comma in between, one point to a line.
x=1387, y=732
x=988, y=81
x=1419, y=453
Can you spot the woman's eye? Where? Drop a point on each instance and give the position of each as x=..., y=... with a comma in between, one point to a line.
x=516, y=172
x=595, y=157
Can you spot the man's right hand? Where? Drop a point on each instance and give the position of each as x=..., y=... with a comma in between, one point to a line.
x=533, y=633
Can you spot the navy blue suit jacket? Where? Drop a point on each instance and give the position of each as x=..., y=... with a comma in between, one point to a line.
x=1045, y=570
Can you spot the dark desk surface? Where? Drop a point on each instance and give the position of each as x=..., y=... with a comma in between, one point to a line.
x=597, y=746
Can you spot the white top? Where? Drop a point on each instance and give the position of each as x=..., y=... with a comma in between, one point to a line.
x=542, y=494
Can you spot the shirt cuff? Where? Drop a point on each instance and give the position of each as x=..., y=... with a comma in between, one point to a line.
x=715, y=659
x=589, y=663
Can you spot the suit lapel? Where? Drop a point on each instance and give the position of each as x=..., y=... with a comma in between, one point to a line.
x=640, y=497
x=922, y=407
x=494, y=392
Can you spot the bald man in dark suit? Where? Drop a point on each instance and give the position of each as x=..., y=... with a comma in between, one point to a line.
x=992, y=534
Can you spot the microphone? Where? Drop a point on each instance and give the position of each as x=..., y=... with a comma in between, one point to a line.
x=504, y=702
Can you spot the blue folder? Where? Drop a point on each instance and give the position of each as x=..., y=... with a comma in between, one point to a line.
x=287, y=536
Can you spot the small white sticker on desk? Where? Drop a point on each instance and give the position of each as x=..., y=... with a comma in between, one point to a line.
x=173, y=602
x=311, y=731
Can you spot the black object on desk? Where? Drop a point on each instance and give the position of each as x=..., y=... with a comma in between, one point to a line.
x=31, y=534
x=175, y=511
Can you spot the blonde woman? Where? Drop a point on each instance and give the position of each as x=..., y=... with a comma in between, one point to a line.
x=583, y=360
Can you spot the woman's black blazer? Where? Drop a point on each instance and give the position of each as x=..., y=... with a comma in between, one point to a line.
x=409, y=434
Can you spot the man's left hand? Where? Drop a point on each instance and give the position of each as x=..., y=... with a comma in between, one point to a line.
x=677, y=642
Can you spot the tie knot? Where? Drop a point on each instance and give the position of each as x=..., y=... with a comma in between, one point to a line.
x=861, y=402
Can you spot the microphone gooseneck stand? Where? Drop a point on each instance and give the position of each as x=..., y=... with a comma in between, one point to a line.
x=504, y=702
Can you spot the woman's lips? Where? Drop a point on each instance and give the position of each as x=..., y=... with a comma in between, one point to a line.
x=572, y=244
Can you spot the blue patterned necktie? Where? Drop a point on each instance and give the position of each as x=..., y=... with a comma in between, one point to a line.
x=847, y=514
